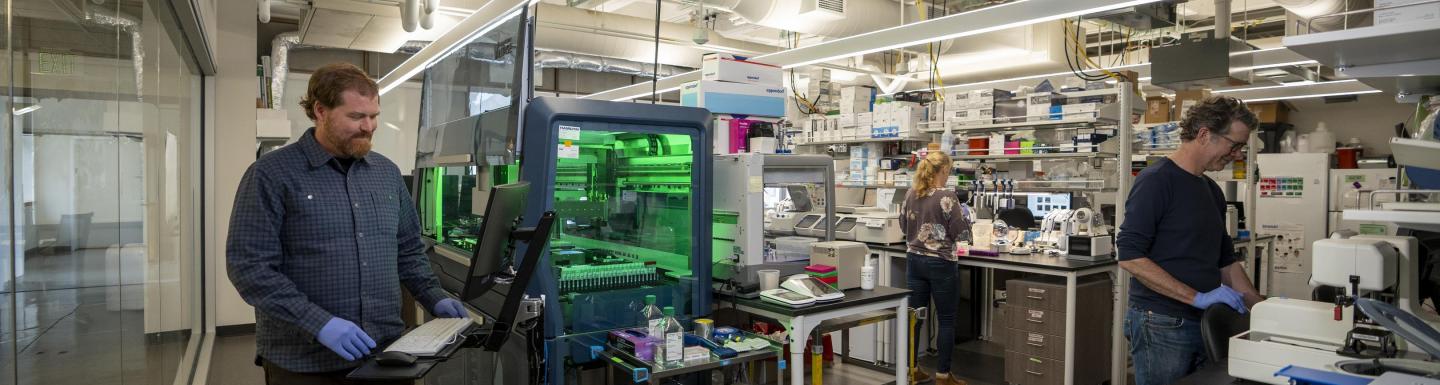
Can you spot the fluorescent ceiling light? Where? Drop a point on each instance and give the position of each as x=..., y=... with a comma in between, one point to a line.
x=1312, y=96
x=26, y=110
x=966, y=85
x=1290, y=84
x=409, y=69
x=1263, y=66
x=1022, y=23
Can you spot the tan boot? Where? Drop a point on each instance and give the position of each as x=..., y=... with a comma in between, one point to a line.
x=947, y=379
x=918, y=376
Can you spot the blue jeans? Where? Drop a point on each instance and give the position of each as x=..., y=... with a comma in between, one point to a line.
x=931, y=277
x=1163, y=348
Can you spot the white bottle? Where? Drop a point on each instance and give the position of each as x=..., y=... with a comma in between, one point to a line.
x=867, y=277
x=1322, y=140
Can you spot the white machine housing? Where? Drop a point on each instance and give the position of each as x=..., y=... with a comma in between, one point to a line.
x=1336, y=260
x=1286, y=332
x=739, y=249
x=1304, y=333
x=876, y=225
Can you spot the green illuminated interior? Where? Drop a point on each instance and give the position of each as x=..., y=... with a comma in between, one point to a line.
x=446, y=200
x=624, y=200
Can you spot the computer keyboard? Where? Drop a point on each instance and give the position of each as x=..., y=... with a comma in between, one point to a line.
x=430, y=338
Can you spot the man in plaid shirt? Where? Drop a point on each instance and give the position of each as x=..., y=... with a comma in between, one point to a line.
x=323, y=235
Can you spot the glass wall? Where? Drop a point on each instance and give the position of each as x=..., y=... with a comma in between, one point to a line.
x=101, y=144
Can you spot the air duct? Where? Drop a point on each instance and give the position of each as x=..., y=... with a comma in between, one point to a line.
x=130, y=25
x=280, y=64
x=1309, y=9
x=829, y=18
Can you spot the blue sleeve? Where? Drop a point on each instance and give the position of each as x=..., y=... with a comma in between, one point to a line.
x=253, y=255
x=412, y=264
x=1144, y=209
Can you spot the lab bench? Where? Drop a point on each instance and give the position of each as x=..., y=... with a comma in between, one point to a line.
x=1071, y=272
x=858, y=308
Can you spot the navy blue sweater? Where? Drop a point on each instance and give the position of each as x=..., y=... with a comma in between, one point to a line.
x=1176, y=219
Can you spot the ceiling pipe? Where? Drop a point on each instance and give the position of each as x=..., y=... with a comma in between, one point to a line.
x=1222, y=19
x=264, y=11
x=409, y=14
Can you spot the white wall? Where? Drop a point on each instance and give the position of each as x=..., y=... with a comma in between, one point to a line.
x=230, y=145
x=399, y=119
x=1372, y=118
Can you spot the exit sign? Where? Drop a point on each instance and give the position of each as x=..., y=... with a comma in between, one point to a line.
x=55, y=63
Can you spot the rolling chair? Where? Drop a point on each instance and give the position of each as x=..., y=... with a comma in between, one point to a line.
x=1217, y=325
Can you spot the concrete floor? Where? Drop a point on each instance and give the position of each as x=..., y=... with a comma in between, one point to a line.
x=72, y=329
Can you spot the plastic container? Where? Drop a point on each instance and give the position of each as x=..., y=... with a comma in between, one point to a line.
x=674, y=351
x=980, y=146
x=1348, y=157
x=1322, y=140
x=867, y=277
x=789, y=249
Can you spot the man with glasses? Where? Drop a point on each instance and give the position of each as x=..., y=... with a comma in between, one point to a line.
x=1173, y=241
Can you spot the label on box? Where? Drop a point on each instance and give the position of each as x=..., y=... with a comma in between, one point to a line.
x=569, y=133
x=567, y=151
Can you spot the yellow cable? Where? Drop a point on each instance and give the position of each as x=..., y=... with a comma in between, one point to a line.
x=1080, y=52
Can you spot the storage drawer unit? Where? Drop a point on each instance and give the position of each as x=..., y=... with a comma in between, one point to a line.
x=1024, y=319
x=1036, y=344
x=1035, y=339
x=1021, y=369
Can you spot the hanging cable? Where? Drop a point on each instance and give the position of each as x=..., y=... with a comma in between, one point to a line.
x=655, y=75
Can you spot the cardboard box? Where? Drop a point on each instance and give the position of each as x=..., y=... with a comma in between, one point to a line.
x=1039, y=106
x=1428, y=13
x=1157, y=110
x=734, y=98
x=1078, y=110
x=731, y=68
x=1270, y=112
x=1186, y=99
x=864, y=118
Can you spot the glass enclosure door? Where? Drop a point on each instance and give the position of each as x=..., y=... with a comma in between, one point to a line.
x=103, y=113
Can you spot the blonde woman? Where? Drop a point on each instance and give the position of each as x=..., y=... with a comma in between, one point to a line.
x=933, y=220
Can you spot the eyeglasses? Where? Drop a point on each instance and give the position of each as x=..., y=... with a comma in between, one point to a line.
x=1234, y=146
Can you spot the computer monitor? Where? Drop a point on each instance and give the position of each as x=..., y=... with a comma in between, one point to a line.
x=1040, y=204
x=495, y=287
x=492, y=247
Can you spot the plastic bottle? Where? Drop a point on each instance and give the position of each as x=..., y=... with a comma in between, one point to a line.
x=1322, y=140
x=867, y=276
x=947, y=143
x=674, y=338
x=654, y=318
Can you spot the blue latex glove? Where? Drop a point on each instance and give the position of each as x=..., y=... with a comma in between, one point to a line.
x=449, y=308
x=1221, y=295
x=345, y=339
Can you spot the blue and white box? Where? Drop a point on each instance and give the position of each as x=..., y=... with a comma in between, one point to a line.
x=734, y=98
x=736, y=69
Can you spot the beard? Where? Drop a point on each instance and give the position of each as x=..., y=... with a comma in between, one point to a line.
x=354, y=146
